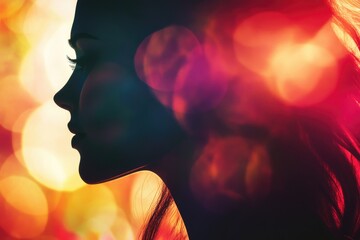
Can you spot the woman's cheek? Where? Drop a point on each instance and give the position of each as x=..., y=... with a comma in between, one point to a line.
x=102, y=112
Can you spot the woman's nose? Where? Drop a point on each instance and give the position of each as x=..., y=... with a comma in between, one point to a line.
x=68, y=96
x=61, y=99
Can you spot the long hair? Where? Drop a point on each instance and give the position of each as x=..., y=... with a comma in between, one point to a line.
x=315, y=188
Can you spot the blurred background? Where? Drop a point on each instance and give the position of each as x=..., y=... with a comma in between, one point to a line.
x=41, y=193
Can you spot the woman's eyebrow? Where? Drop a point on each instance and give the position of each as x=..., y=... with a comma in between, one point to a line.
x=72, y=41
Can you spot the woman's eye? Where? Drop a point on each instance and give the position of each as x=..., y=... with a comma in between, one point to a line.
x=82, y=63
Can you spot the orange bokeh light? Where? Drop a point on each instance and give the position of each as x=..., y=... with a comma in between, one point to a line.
x=8, y=8
x=298, y=68
x=301, y=74
x=22, y=219
x=91, y=210
x=11, y=94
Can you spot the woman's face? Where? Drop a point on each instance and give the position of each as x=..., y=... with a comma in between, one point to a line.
x=119, y=125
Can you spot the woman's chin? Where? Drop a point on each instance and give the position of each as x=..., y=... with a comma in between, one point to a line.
x=94, y=173
x=89, y=177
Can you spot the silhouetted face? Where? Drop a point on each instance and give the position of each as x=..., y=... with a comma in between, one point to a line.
x=119, y=126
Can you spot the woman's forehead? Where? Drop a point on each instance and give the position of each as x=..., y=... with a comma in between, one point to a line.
x=97, y=18
x=113, y=18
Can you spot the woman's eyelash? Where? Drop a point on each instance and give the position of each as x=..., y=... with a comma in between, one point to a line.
x=77, y=63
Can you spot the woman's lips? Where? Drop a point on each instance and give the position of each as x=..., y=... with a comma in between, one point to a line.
x=79, y=135
x=76, y=140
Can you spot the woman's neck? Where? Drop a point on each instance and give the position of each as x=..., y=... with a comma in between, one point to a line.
x=175, y=170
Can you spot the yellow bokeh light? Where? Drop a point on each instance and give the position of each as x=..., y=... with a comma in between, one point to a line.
x=11, y=48
x=24, y=207
x=16, y=21
x=33, y=75
x=122, y=229
x=45, y=69
x=46, y=149
x=56, y=64
x=145, y=192
x=59, y=8
x=12, y=166
x=15, y=189
x=11, y=94
x=91, y=210
x=34, y=28
x=56, y=14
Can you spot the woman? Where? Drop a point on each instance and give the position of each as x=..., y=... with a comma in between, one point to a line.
x=241, y=107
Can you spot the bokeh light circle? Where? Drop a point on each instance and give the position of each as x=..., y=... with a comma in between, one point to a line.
x=56, y=63
x=8, y=8
x=59, y=8
x=44, y=149
x=33, y=76
x=11, y=94
x=91, y=210
x=302, y=74
x=122, y=229
x=24, y=207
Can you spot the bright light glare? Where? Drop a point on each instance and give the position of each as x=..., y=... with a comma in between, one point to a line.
x=33, y=76
x=58, y=8
x=301, y=73
x=56, y=64
x=46, y=149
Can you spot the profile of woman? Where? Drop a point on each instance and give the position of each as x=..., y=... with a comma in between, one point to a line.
x=247, y=110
